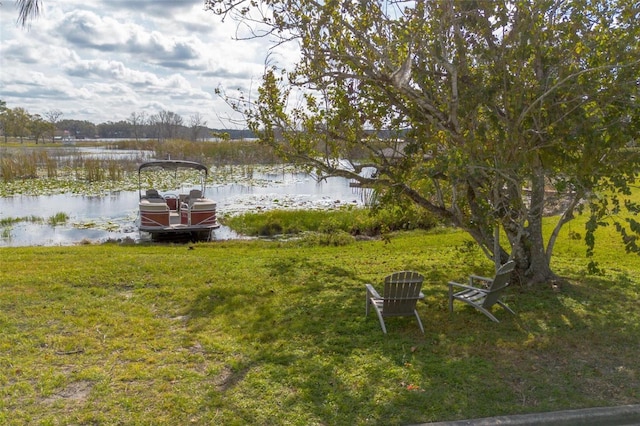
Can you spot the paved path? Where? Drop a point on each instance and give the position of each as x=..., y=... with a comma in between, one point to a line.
x=626, y=415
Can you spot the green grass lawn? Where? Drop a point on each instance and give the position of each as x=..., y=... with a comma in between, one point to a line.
x=254, y=332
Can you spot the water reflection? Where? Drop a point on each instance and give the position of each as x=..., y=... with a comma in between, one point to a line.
x=114, y=216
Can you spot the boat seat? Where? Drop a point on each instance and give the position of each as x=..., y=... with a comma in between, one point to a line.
x=156, y=205
x=203, y=204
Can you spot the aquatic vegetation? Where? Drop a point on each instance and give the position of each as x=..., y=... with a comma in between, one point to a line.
x=52, y=168
x=92, y=169
x=93, y=178
x=7, y=225
x=5, y=233
x=8, y=221
x=111, y=226
x=17, y=167
x=67, y=182
x=40, y=172
x=58, y=219
x=85, y=225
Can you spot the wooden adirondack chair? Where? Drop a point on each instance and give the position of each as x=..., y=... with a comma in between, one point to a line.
x=483, y=298
x=399, y=298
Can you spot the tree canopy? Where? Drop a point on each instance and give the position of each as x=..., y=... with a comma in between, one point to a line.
x=483, y=112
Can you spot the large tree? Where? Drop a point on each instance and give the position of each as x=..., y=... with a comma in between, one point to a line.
x=38, y=127
x=167, y=124
x=138, y=120
x=482, y=112
x=197, y=124
x=53, y=116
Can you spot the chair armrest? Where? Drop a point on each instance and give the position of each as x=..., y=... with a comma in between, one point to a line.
x=478, y=277
x=487, y=281
x=468, y=287
x=371, y=292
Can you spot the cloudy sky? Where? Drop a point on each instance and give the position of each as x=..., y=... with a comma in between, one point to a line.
x=102, y=60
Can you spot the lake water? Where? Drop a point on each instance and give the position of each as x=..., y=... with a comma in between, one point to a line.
x=114, y=216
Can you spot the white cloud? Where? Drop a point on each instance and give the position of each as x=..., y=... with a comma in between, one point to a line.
x=110, y=71
x=101, y=60
x=85, y=27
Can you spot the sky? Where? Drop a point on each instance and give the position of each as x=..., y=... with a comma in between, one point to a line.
x=102, y=60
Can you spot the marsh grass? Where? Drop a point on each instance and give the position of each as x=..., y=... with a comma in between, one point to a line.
x=58, y=219
x=350, y=220
x=52, y=167
x=28, y=166
x=39, y=169
x=93, y=170
x=221, y=153
x=20, y=166
x=8, y=221
x=275, y=333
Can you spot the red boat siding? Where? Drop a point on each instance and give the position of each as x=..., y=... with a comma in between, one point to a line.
x=203, y=217
x=154, y=218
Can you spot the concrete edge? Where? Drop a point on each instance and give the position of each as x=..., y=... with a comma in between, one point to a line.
x=625, y=415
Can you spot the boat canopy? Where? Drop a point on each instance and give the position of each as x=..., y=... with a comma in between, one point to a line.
x=173, y=165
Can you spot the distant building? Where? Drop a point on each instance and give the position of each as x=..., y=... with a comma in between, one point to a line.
x=68, y=139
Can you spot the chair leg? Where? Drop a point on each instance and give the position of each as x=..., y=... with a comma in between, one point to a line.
x=368, y=301
x=487, y=313
x=506, y=307
x=419, y=322
x=478, y=307
x=384, y=328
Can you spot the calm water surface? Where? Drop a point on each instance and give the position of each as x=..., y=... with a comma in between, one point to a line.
x=114, y=216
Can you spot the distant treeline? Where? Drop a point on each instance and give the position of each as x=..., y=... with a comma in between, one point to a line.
x=126, y=130
x=19, y=123
x=165, y=125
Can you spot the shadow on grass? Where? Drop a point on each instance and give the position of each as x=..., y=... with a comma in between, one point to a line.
x=305, y=336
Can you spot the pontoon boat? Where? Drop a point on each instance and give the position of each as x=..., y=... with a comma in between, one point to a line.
x=186, y=212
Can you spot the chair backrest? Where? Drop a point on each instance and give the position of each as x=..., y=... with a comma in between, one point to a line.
x=499, y=283
x=401, y=292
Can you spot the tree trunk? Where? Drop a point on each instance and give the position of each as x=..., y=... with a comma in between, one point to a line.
x=527, y=249
x=538, y=268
